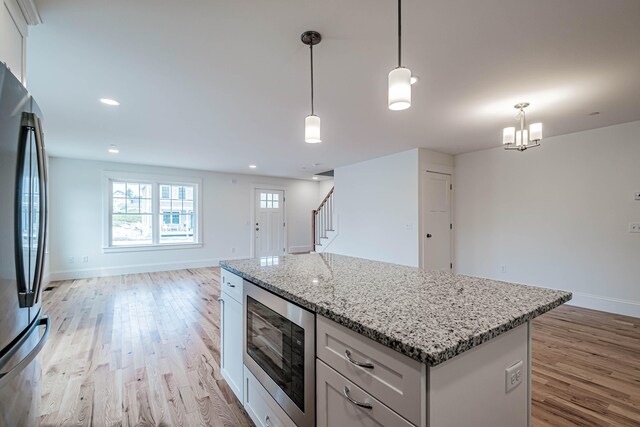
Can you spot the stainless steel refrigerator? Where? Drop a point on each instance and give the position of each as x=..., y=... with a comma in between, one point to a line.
x=23, y=227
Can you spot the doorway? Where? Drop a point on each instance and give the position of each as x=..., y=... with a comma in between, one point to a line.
x=269, y=224
x=437, y=222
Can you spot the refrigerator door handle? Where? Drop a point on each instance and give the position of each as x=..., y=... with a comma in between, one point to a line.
x=6, y=377
x=21, y=280
x=43, y=202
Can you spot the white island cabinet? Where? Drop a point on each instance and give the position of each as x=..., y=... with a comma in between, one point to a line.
x=400, y=346
x=231, y=331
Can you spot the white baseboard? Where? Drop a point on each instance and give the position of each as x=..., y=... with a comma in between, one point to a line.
x=601, y=303
x=130, y=269
x=299, y=249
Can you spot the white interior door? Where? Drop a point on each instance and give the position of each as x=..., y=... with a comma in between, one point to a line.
x=269, y=223
x=437, y=225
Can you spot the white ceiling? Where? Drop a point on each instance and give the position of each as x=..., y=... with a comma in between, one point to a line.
x=218, y=85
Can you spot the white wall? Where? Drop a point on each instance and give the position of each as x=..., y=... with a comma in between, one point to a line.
x=76, y=214
x=324, y=188
x=555, y=216
x=376, y=205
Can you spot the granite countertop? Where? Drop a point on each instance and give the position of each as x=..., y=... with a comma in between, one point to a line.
x=430, y=316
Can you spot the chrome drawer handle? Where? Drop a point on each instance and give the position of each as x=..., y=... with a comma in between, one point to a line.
x=231, y=284
x=267, y=421
x=364, y=405
x=367, y=365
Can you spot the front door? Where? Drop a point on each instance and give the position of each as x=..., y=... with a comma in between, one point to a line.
x=437, y=238
x=269, y=223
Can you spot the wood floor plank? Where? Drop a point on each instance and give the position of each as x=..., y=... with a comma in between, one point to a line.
x=144, y=350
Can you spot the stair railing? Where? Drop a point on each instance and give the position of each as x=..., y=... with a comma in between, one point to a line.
x=322, y=220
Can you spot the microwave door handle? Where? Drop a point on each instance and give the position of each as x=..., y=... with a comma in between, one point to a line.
x=42, y=195
x=21, y=281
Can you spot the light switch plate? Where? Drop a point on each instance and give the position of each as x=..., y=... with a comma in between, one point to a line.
x=513, y=376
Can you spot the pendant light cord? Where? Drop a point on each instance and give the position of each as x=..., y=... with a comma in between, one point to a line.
x=399, y=33
x=311, y=50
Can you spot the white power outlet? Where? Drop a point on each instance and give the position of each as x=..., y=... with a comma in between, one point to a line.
x=634, y=227
x=503, y=268
x=513, y=376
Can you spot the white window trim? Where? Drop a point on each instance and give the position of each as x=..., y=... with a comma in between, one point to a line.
x=155, y=180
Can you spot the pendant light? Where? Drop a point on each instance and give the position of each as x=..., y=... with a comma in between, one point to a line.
x=400, y=77
x=311, y=122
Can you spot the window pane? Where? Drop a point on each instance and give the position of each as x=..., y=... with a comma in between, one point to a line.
x=119, y=189
x=166, y=217
x=174, y=192
x=165, y=191
x=269, y=196
x=179, y=231
x=189, y=193
x=263, y=204
x=263, y=196
x=119, y=205
x=145, y=206
x=187, y=206
x=275, y=197
x=275, y=204
x=145, y=191
x=133, y=189
x=131, y=230
x=133, y=205
x=269, y=204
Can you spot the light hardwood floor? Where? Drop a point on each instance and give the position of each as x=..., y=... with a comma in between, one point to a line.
x=143, y=349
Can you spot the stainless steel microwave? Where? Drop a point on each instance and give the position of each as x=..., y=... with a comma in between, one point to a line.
x=279, y=349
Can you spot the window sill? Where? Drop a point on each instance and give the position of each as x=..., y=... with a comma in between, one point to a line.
x=145, y=248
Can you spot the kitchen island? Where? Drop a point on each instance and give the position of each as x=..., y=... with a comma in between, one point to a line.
x=399, y=345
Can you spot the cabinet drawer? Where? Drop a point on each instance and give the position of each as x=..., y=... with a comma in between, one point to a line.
x=231, y=284
x=337, y=397
x=263, y=410
x=394, y=379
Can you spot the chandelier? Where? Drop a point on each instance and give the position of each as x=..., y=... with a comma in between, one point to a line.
x=522, y=139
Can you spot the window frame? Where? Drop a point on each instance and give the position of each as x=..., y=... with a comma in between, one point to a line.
x=155, y=181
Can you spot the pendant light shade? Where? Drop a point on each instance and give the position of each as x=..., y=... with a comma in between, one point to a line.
x=312, y=129
x=535, y=132
x=508, y=135
x=400, y=77
x=311, y=122
x=400, y=89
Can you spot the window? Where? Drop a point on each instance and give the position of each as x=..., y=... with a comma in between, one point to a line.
x=150, y=212
x=269, y=200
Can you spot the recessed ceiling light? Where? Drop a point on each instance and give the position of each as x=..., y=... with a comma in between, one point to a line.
x=113, y=149
x=414, y=79
x=315, y=177
x=108, y=101
x=253, y=166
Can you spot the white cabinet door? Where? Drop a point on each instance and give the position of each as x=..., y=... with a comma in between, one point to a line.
x=339, y=402
x=231, y=343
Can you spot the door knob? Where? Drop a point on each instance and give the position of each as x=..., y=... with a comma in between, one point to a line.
x=428, y=235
